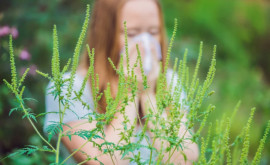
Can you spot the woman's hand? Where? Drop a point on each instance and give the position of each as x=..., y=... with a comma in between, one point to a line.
x=112, y=134
x=191, y=149
x=152, y=76
x=134, y=63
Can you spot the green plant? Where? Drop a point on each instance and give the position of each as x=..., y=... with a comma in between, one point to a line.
x=165, y=129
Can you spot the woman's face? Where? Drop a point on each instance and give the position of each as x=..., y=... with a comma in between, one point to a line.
x=141, y=16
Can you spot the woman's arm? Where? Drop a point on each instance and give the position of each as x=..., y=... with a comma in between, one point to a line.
x=112, y=135
x=190, y=149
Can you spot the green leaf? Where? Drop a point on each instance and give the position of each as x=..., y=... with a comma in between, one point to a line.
x=45, y=113
x=53, y=129
x=30, y=149
x=13, y=109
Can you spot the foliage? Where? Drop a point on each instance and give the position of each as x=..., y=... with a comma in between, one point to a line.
x=168, y=96
x=240, y=29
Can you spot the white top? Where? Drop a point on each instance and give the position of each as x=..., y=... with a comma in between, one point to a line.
x=80, y=112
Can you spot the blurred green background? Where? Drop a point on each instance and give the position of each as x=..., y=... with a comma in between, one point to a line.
x=240, y=29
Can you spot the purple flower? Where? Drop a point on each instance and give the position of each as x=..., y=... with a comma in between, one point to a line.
x=22, y=70
x=33, y=69
x=4, y=30
x=25, y=55
x=14, y=32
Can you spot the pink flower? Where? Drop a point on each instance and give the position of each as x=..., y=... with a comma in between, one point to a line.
x=4, y=30
x=22, y=70
x=25, y=55
x=33, y=69
x=14, y=32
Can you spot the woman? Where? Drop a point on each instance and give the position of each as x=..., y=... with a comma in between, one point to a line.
x=106, y=35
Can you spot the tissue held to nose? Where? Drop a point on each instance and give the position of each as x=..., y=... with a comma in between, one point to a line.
x=147, y=44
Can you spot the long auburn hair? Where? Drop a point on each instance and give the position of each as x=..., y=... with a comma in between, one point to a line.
x=104, y=36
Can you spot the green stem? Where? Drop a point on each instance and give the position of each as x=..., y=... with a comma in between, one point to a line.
x=140, y=122
x=153, y=143
x=108, y=148
x=60, y=132
x=35, y=128
x=151, y=153
x=86, y=160
x=170, y=155
x=74, y=127
x=74, y=152
x=58, y=148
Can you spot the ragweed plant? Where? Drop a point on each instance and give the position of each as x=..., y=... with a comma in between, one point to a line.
x=178, y=107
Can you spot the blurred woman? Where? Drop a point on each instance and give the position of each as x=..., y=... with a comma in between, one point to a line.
x=106, y=34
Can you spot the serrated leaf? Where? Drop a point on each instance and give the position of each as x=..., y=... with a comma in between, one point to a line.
x=30, y=99
x=85, y=134
x=53, y=129
x=30, y=115
x=45, y=113
x=27, y=150
x=13, y=109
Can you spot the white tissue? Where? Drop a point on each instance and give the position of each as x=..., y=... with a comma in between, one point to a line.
x=146, y=40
